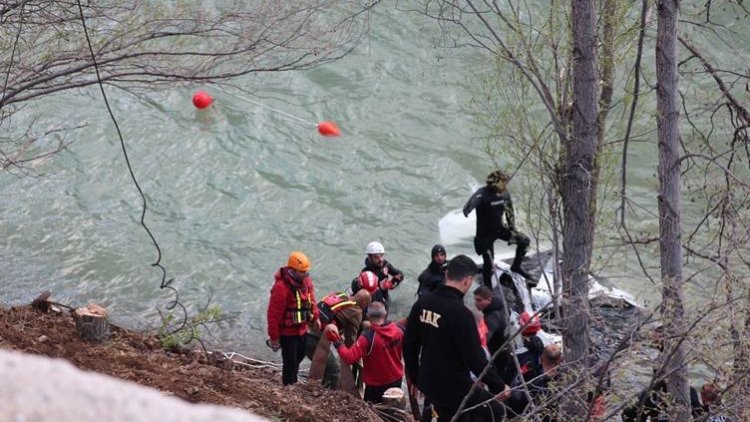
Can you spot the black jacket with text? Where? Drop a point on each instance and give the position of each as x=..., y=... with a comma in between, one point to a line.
x=441, y=348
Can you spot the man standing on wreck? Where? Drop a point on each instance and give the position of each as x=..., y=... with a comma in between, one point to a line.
x=493, y=204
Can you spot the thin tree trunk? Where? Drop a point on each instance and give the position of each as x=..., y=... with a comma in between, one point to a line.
x=578, y=184
x=670, y=205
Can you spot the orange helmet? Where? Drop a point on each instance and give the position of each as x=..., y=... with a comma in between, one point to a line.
x=368, y=280
x=299, y=262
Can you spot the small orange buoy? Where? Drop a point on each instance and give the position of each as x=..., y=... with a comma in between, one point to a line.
x=327, y=128
x=201, y=99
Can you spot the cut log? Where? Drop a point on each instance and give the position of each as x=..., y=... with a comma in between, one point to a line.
x=394, y=397
x=42, y=301
x=91, y=323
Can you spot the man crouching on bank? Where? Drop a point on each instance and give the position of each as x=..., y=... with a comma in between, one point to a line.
x=441, y=349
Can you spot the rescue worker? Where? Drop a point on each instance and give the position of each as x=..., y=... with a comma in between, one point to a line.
x=493, y=204
x=434, y=274
x=346, y=313
x=380, y=348
x=539, y=387
x=367, y=280
x=290, y=308
x=389, y=277
x=530, y=354
x=441, y=349
x=498, y=331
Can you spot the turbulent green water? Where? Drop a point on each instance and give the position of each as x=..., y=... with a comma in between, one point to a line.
x=233, y=189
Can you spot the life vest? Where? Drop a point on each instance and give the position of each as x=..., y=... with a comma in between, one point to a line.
x=300, y=310
x=331, y=304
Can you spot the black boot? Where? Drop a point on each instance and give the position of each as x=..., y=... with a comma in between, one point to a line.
x=530, y=281
x=522, y=245
x=516, y=268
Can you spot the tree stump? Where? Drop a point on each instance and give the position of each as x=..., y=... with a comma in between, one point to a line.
x=394, y=397
x=394, y=403
x=42, y=301
x=91, y=323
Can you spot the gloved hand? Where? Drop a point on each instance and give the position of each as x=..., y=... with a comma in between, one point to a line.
x=386, y=284
x=332, y=333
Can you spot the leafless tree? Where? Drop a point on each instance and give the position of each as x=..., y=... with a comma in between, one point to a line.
x=670, y=205
x=530, y=110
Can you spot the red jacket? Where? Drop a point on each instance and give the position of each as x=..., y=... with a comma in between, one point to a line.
x=380, y=349
x=291, y=306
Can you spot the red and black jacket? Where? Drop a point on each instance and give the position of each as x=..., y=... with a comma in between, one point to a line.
x=383, y=273
x=380, y=349
x=291, y=306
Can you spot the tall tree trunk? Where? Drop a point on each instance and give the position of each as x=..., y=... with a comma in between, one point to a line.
x=670, y=205
x=578, y=183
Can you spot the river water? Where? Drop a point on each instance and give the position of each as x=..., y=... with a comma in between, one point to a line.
x=231, y=190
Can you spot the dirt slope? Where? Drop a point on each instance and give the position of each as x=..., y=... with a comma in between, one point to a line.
x=138, y=358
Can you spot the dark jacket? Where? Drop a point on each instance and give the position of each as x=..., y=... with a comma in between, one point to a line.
x=383, y=273
x=430, y=278
x=496, y=317
x=651, y=402
x=491, y=207
x=441, y=347
x=540, y=393
x=498, y=332
x=530, y=361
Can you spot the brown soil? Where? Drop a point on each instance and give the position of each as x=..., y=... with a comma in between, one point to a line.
x=139, y=358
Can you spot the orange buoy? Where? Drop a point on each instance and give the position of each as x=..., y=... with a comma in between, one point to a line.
x=327, y=128
x=201, y=99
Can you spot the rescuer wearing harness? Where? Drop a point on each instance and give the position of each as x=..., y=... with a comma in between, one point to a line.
x=290, y=308
x=493, y=204
x=379, y=348
x=389, y=277
x=346, y=313
x=441, y=349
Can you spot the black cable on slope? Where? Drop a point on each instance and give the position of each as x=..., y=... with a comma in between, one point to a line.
x=164, y=282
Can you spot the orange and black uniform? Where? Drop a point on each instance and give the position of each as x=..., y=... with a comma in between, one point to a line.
x=290, y=308
x=380, y=349
x=441, y=349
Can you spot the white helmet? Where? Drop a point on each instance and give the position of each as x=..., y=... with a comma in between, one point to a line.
x=375, y=248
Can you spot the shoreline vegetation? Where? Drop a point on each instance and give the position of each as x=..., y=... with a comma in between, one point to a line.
x=194, y=376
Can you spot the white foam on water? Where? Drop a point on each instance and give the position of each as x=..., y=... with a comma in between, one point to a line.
x=456, y=229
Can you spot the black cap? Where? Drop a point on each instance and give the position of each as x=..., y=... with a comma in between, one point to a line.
x=437, y=249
